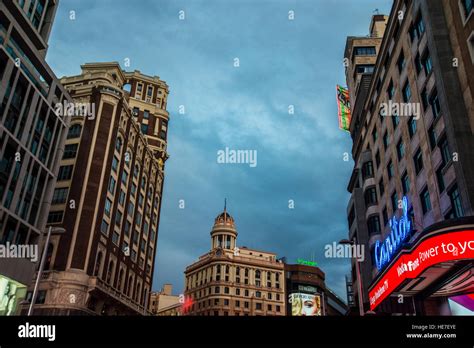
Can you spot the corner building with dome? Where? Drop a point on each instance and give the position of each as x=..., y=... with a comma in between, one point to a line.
x=232, y=280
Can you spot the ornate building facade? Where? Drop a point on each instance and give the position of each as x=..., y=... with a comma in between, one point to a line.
x=233, y=281
x=108, y=195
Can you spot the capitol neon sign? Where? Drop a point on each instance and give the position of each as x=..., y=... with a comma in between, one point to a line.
x=400, y=232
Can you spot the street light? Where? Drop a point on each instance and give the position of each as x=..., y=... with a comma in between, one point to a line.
x=359, y=277
x=56, y=230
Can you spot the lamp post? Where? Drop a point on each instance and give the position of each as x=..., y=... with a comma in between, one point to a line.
x=359, y=277
x=57, y=230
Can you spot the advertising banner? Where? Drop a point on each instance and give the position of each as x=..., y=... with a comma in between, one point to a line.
x=11, y=294
x=343, y=107
x=305, y=304
x=436, y=249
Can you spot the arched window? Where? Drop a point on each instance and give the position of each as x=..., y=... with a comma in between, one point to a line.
x=136, y=170
x=98, y=262
x=130, y=286
x=227, y=269
x=49, y=255
x=257, y=274
x=110, y=271
x=118, y=144
x=74, y=131
x=138, y=292
x=120, y=280
x=143, y=182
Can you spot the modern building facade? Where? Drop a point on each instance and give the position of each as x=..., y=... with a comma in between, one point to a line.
x=307, y=293
x=108, y=195
x=32, y=138
x=232, y=281
x=412, y=187
x=164, y=302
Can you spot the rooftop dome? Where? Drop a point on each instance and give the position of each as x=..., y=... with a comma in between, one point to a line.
x=224, y=218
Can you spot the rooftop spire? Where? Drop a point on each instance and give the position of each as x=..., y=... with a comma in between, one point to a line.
x=225, y=209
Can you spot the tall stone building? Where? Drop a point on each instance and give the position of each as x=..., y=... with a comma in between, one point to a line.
x=232, y=281
x=31, y=138
x=413, y=142
x=108, y=195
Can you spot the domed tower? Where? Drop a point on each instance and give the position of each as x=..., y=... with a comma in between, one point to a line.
x=223, y=233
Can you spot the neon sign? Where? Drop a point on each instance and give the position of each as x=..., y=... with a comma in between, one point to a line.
x=432, y=250
x=400, y=232
x=307, y=263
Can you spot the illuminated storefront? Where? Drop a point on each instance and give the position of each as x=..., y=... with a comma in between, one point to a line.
x=438, y=264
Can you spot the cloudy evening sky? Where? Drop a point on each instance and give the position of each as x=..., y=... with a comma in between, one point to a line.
x=282, y=63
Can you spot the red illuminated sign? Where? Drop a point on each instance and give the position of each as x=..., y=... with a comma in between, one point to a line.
x=445, y=247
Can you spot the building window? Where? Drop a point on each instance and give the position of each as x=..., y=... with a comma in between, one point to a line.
x=470, y=45
x=124, y=177
x=226, y=302
x=65, y=173
x=456, y=202
x=395, y=121
x=385, y=216
x=418, y=161
x=467, y=6
x=435, y=105
x=385, y=140
x=426, y=62
x=377, y=158
x=70, y=151
x=246, y=293
x=400, y=149
x=419, y=26
x=394, y=200
x=381, y=187
x=114, y=164
x=440, y=179
x=370, y=196
x=391, y=90
x=108, y=206
x=226, y=290
x=246, y=304
x=146, y=114
x=405, y=183
x=104, y=227
x=374, y=135
x=390, y=170
x=418, y=65
x=401, y=62
x=111, y=185
x=445, y=153
x=432, y=137
x=74, y=131
x=364, y=68
x=258, y=294
x=144, y=128
x=217, y=290
x=118, y=144
x=364, y=51
x=278, y=309
x=258, y=306
x=55, y=216
x=406, y=92
x=425, y=200
x=118, y=218
x=373, y=224
x=412, y=127
x=368, y=170
x=59, y=195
